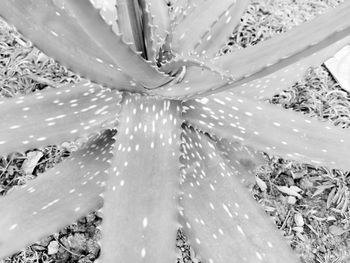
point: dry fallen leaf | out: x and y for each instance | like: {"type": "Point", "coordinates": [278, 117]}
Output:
{"type": "Point", "coordinates": [288, 191]}
{"type": "Point", "coordinates": [32, 160]}
{"type": "Point", "coordinates": [262, 185]}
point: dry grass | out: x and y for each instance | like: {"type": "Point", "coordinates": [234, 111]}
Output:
{"type": "Point", "coordinates": [317, 224]}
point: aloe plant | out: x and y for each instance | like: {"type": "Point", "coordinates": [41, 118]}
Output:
{"type": "Point", "coordinates": [186, 117]}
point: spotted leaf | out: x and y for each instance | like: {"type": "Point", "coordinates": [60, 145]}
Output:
{"type": "Point", "coordinates": [223, 222]}
{"type": "Point", "coordinates": [140, 203]}
{"type": "Point", "coordinates": [241, 159]}
{"type": "Point", "coordinates": [56, 115]}
{"type": "Point", "coordinates": [273, 80]}
{"type": "Point", "coordinates": [178, 10]}
{"type": "Point", "coordinates": [189, 34]}
{"type": "Point", "coordinates": [50, 27]}
{"type": "Point", "coordinates": [259, 71]}
{"type": "Point", "coordinates": [260, 85]}
{"type": "Point", "coordinates": [64, 193]}
{"type": "Point", "coordinates": [270, 128]}
{"type": "Point", "coordinates": [108, 12]}
{"type": "Point", "coordinates": [286, 49]}
{"type": "Point", "coordinates": [221, 28]}
{"type": "Point", "coordinates": [120, 53]}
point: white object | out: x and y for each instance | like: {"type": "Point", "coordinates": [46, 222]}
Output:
{"type": "Point", "coordinates": [339, 66]}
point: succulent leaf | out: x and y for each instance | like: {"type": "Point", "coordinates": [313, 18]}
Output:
{"type": "Point", "coordinates": [64, 193]}
{"type": "Point", "coordinates": [108, 12]}
{"type": "Point", "coordinates": [285, 49]}
{"type": "Point", "coordinates": [188, 34]}
{"type": "Point", "coordinates": [260, 85]}
{"type": "Point", "coordinates": [271, 81]}
{"type": "Point", "coordinates": [178, 8]}
{"type": "Point", "coordinates": [59, 35]}
{"type": "Point", "coordinates": [260, 71]}
{"type": "Point", "coordinates": [223, 222]}
{"type": "Point", "coordinates": [130, 24]}
{"type": "Point", "coordinates": [270, 128]}
{"type": "Point", "coordinates": [221, 29]}
{"type": "Point", "coordinates": [221, 219]}
{"type": "Point", "coordinates": [241, 159]}
{"type": "Point", "coordinates": [56, 115]}
{"type": "Point", "coordinates": [123, 22]}
{"type": "Point", "coordinates": [191, 83]}
{"type": "Point", "coordinates": [127, 60]}
{"type": "Point", "coordinates": [156, 24]}
{"type": "Point", "coordinates": [140, 209]}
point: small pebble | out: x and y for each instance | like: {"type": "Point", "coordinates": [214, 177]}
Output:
{"type": "Point", "coordinates": [298, 219]}
{"type": "Point", "coordinates": [298, 229]}
{"type": "Point", "coordinates": [291, 200]}
{"type": "Point", "coordinates": [53, 247]}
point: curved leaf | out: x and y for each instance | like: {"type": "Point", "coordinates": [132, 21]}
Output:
{"type": "Point", "coordinates": [287, 48]}
{"type": "Point", "coordinates": [127, 60]}
{"type": "Point", "coordinates": [56, 115]}
{"type": "Point", "coordinates": [63, 194]}
{"type": "Point", "coordinates": [192, 81]}
{"type": "Point", "coordinates": [130, 24]}
{"type": "Point", "coordinates": [197, 25]}
{"type": "Point", "coordinates": [273, 80]}
{"type": "Point", "coordinates": [221, 29]}
{"type": "Point", "coordinates": [50, 27]}
{"type": "Point", "coordinates": [271, 129]}
{"type": "Point", "coordinates": [223, 222]}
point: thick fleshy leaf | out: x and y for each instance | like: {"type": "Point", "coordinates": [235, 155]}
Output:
{"type": "Point", "coordinates": [188, 34]}
{"type": "Point", "coordinates": [127, 60]}
{"type": "Point", "coordinates": [190, 82]}
{"type": "Point", "coordinates": [56, 115]}
{"type": "Point", "coordinates": [265, 84]}
{"type": "Point", "coordinates": [241, 159]}
{"type": "Point", "coordinates": [108, 11]}
{"type": "Point", "coordinates": [260, 71]}
{"type": "Point", "coordinates": [221, 29]}
{"type": "Point", "coordinates": [262, 84]}
{"type": "Point", "coordinates": [223, 222]}
{"type": "Point", "coordinates": [124, 22]}
{"type": "Point", "coordinates": [130, 24]}
{"type": "Point", "coordinates": [156, 22]}
{"type": "Point", "coordinates": [271, 128]}
{"type": "Point", "coordinates": [140, 209]}
{"type": "Point", "coordinates": [161, 20]}
{"type": "Point", "coordinates": [178, 11]}
{"type": "Point", "coordinates": [63, 194]}
{"type": "Point", "coordinates": [49, 27]}
{"type": "Point", "coordinates": [285, 49]}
